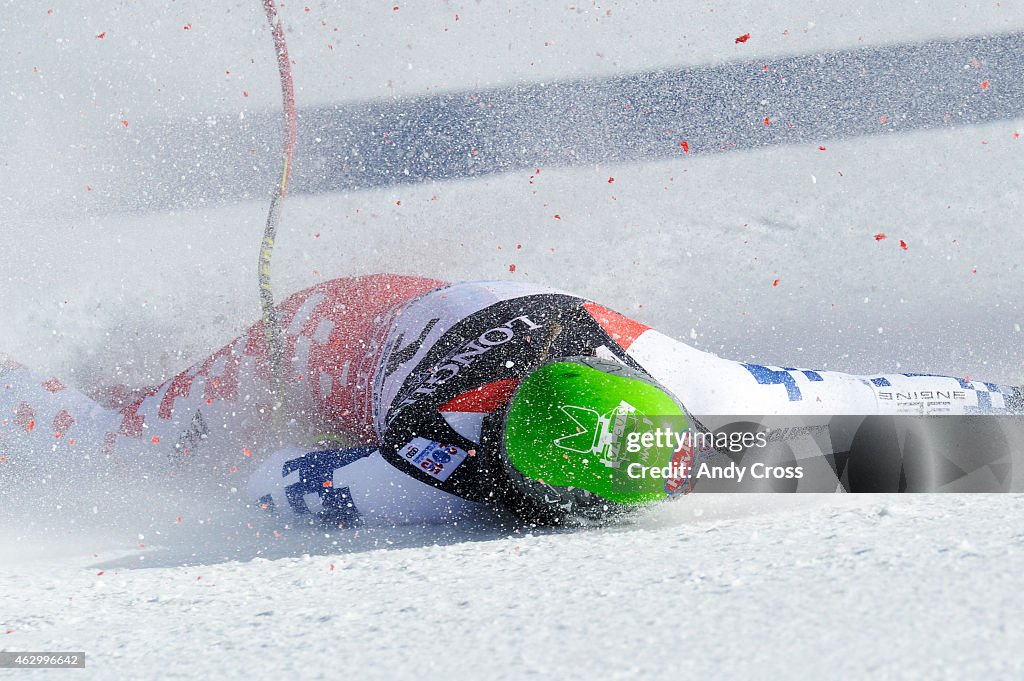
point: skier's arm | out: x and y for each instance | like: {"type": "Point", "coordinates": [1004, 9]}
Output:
{"type": "Point", "coordinates": [346, 488]}
{"type": "Point", "coordinates": [708, 384]}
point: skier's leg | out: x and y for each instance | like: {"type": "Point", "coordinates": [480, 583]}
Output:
{"type": "Point", "coordinates": [1015, 400]}
{"type": "Point", "coordinates": [711, 385]}
{"type": "Point", "coordinates": [708, 384]}
{"type": "Point", "coordinates": [914, 393]}
{"type": "Point", "coordinates": [221, 409]}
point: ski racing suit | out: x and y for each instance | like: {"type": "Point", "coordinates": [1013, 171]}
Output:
{"type": "Point", "coordinates": [405, 370]}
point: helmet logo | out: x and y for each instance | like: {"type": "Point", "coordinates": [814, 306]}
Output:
{"type": "Point", "coordinates": [600, 435]}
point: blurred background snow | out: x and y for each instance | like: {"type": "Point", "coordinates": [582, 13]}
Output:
{"type": "Point", "coordinates": [102, 273]}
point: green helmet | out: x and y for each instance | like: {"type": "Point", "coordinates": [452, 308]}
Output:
{"type": "Point", "coordinates": [584, 435]}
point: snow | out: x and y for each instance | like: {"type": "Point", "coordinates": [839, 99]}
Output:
{"type": "Point", "coordinates": [744, 586]}
{"type": "Point", "coordinates": [691, 243]}
{"type": "Point", "coordinates": [736, 587]}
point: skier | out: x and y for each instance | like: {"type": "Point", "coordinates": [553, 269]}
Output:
{"type": "Point", "coordinates": [438, 397]}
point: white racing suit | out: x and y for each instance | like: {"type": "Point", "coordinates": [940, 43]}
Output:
{"type": "Point", "coordinates": [407, 369]}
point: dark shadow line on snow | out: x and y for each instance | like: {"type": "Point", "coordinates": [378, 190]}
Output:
{"type": "Point", "coordinates": [296, 541]}
{"type": "Point", "coordinates": [753, 104]}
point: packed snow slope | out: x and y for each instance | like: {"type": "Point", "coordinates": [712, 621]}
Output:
{"type": "Point", "coordinates": [772, 254]}
{"type": "Point", "coordinates": [741, 587]}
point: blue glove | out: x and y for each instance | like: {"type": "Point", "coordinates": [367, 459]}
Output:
{"type": "Point", "coordinates": [304, 483]}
